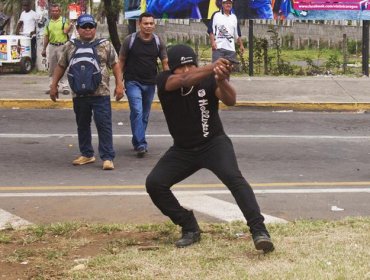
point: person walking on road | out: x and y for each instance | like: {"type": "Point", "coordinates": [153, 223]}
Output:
{"type": "Point", "coordinates": [96, 103]}
{"type": "Point", "coordinates": [138, 57]}
{"type": "Point", "coordinates": [223, 30]}
{"type": "Point", "coordinates": [27, 26]}
{"type": "Point", "coordinates": [55, 36]}
{"type": "Point", "coordinates": [190, 96]}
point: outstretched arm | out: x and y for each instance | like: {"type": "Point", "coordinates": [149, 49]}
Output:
{"type": "Point", "coordinates": [195, 76]}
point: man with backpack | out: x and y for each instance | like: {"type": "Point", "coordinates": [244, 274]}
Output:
{"type": "Point", "coordinates": [138, 56]}
{"type": "Point", "coordinates": [88, 60]}
{"type": "Point", "coordinates": [55, 36]}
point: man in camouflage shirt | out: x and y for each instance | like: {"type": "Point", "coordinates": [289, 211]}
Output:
{"type": "Point", "coordinates": [98, 103]}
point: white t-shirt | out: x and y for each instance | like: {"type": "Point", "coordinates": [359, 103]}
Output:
{"type": "Point", "coordinates": [29, 21]}
{"type": "Point", "coordinates": [225, 29]}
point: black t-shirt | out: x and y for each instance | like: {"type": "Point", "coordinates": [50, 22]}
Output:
{"type": "Point", "coordinates": [141, 59]}
{"type": "Point", "coordinates": [192, 115]}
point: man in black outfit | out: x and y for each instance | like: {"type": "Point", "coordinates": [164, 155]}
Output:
{"type": "Point", "coordinates": [190, 96]}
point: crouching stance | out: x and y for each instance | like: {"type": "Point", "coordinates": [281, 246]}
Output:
{"type": "Point", "coordinates": [190, 96]}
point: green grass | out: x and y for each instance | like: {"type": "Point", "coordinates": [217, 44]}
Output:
{"type": "Point", "coordinates": [304, 250]}
{"type": "Point", "coordinates": [302, 55]}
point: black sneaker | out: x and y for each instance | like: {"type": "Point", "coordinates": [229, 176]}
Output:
{"type": "Point", "coordinates": [263, 242]}
{"type": "Point", "coordinates": [188, 238]}
{"type": "Point", "coordinates": [141, 152]}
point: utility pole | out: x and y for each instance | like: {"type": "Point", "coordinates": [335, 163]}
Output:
{"type": "Point", "coordinates": [250, 46]}
{"type": "Point", "coordinates": [365, 47]}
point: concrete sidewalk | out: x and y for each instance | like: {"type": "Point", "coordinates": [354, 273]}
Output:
{"type": "Point", "coordinates": [276, 93]}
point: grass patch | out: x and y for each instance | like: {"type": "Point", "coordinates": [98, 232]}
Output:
{"type": "Point", "coordinates": [304, 250]}
{"type": "Point", "coordinates": [4, 238]}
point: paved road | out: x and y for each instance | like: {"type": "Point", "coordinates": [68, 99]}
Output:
{"type": "Point", "coordinates": [301, 165]}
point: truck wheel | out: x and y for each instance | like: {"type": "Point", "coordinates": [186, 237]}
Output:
{"type": "Point", "coordinates": [26, 65]}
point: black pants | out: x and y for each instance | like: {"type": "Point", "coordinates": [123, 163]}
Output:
{"type": "Point", "coordinates": [219, 157]}
{"type": "Point", "coordinates": [33, 50]}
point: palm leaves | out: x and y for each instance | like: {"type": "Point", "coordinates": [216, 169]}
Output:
{"type": "Point", "coordinates": [12, 7]}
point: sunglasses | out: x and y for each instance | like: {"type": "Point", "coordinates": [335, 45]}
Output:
{"type": "Point", "coordinates": [88, 25]}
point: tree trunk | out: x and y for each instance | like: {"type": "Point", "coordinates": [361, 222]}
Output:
{"type": "Point", "coordinates": [112, 17]}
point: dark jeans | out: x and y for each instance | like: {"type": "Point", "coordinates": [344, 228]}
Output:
{"type": "Point", "coordinates": [33, 51]}
{"type": "Point", "coordinates": [222, 53]}
{"type": "Point", "coordinates": [219, 157]}
{"type": "Point", "coordinates": [100, 108]}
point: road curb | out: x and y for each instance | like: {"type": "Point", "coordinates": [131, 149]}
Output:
{"type": "Point", "coordinates": [267, 105]}
{"type": "Point", "coordinates": [306, 106]}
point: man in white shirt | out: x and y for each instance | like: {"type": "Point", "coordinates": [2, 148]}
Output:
{"type": "Point", "coordinates": [223, 31]}
{"type": "Point", "coordinates": [27, 26]}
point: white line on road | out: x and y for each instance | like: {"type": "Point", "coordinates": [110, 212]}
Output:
{"type": "Point", "coordinates": [218, 208]}
{"type": "Point", "coordinates": [198, 200]}
{"type": "Point", "coordinates": [198, 192]}
{"type": "Point", "coordinates": [7, 219]}
{"type": "Point", "coordinates": [251, 136]}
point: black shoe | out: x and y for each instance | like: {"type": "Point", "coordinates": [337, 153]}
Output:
{"type": "Point", "coordinates": [263, 242]}
{"type": "Point", "coordinates": [188, 238]}
{"type": "Point", "coordinates": [141, 152]}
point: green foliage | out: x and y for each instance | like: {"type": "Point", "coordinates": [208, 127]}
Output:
{"type": "Point", "coordinates": [333, 62]}
{"type": "Point", "coordinates": [354, 47]}
{"type": "Point", "coordinates": [280, 67]}
{"type": "Point", "coordinates": [288, 41]}
{"type": "Point", "coordinates": [260, 54]}
{"type": "Point", "coordinates": [312, 68]}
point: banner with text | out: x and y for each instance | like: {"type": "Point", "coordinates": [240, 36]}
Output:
{"type": "Point", "coordinates": [252, 9]}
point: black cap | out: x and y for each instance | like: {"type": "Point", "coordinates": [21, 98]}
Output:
{"type": "Point", "coordinates": [179, 55]}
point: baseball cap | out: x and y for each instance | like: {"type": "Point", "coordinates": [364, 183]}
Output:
{"type": "Point", "coordinates": [85, 19]}
{"type": "Point", "coordinates": [223, 1]}
{"type": "Point", "coordinates": [179, 55]}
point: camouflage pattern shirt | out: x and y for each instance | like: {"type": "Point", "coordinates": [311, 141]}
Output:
{"type": "Point", "coordinates": [107, 56]}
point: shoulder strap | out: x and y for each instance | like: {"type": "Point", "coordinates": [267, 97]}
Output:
{"type": "Point", "coordinates": [133, 37]}
{"type": "Point", "coordinates": [157, 41]}
{"type": "Point", "coordinates": [63, 22]}
{"type": "Point", "coordinates": [98, 42]}
{"type": "Point", "coordinates": [76, 42]}
{"type": "Point", "coordinates": [93, 44]}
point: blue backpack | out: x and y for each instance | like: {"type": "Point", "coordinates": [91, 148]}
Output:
{"type": "Point", "coordinates": [84, 74]}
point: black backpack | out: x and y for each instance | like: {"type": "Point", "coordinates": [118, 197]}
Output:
{"type": "Point", "coordinates": [84, 74]}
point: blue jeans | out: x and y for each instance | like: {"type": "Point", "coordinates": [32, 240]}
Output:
{"type": "Point", "coordinates": [100, 108]}
{"type": "Point", "coordinates": [140, 98]}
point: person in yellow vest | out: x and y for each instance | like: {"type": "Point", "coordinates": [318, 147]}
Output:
{"type": "Point", "coordinates": [55, 36]}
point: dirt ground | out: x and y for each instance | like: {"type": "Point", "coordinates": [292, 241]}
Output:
{"type": "Point", "coordinates": [52, 256]}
